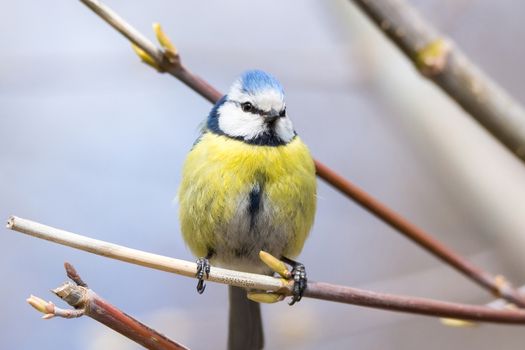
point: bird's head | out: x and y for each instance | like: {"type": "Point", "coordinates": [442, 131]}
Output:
{"type": "Point", "coordinates": [253, 111]}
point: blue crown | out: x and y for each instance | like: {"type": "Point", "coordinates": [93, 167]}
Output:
{"type": "Point", "coordinates": [254, 81]}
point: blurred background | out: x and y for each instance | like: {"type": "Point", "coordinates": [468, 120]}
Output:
{"type": "Point", "coordinates": [92, 141]}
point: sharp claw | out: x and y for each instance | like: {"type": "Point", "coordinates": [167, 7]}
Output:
{"type": "Point", "coordinates": [203, 268]}
{"type": "Point", "coordinates": [300, 283]}
{"type": "Point", "coordinates": [201, 287]}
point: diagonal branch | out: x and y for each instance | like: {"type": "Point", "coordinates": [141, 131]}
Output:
{"type": "Point", "coordinates": [168, 60]}
{"type": "Point", "coordinates": [87, 303]}
{"type": "Point", "coordinates": [165, 63]}
{"type": "Point", "coordinates": [437, 58]}
{"type": "Point", "coordinates": [318, 290]}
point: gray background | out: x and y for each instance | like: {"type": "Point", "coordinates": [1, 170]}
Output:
{"type": "Point", "coordinates": [92, 141]}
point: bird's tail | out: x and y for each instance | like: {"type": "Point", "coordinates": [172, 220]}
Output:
{"type": "Point", "coordinates": [245, 331]}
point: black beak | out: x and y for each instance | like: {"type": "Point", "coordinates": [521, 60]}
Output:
{"type": "Point", "coordinates": [271, 119]}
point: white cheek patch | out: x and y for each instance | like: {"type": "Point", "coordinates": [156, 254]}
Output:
{"type": "Point", "coordinates": [284, 129]}
{"type": "Point", "coordinates": [234, 122]}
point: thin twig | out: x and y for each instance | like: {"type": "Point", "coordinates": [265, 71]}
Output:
{"type": "Point", "coordinates": [166, 64]}
{"type": "Point", "coordinates": [138, 257]}
{"type": "Point", "coordinates": [50, 310]}
{"type": "Point", "coordinates": [87, 302]}
{"type": "Point", "coordinates": [316, 290]}
{"type": "Point", "coordinates": [169, 61]}
{"type": "Point", "coordinates": [410, 304]}
{"type": "Point", "coordinates": [495, 284]}
{"type": "Point", "coordinates": [440, 60]}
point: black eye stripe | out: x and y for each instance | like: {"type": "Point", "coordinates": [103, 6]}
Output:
{"type": "Point", "coordinates": [258, 111]}
{"type": "Point", "coordinates": [255, 110]}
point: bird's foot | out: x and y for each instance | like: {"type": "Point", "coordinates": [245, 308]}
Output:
{"type": "Point", "coordinates": [203, 268]}
{"type": "Point", "coordinates": [299, 282]}
{"type": "Point", "coordinates": [298, 274]}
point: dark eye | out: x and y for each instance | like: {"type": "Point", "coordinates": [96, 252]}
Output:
{"type": "Point", "coordinates": [247, 107]}
{"type": "Point", "coordinates": [282, 113]}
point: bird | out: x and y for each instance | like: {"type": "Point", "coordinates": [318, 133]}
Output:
{"type": "Point", "coordinates": [248, 184]}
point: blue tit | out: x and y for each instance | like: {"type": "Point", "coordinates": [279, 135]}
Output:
{"type": "Point", "coordinates": [248, 185]}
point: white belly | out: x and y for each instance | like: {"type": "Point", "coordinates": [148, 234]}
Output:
{"type": "Point", "coordinates": [247, 234]}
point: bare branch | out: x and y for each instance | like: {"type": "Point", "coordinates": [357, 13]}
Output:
{"type": "Point", "coordinates": [437, 58]}
{"type": "Point", "coordinates": [169, 61]}
{"type": "Point", "coordinates": [88, 303]}
{"type": "Point", "coordinates": [409, 304]}
{"type": "Point", "coordinates": [138, 257]}
{"type": "Point", "coordinates": [318, 290]}
{"type": "Point", "coordinates": [117, 22]}
{"type": "Point", "coordinates": [496, 285]}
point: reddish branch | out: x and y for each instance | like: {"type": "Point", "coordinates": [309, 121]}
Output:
{"type": "Point", "coordinates": [169, 61]}
{"type": "Point", "coordinates": [496, 285]}
{"type": "Point", "coordinates": [410, 304]}
{"type": "Point", "coordinates": [88, 303]}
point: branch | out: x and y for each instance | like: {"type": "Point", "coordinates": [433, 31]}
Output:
{"type": "Point", "coordinates": [168, 60]}
{"type": "Point", "coordinates": [165, 63]}
{"type": "Point", "coordinates": [88, 303]}
{"type": "Point", "coordinates": [139, 257]}
{"type": "Point", "coordinates": [438, 59]}
{"type": "Point", "coordinates": [317, 290]}
{"type": "Point", "coordinates": [495, 284]}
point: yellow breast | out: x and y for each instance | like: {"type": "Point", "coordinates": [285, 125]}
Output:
{"type": "Point", "coordinates": [220, 172]}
